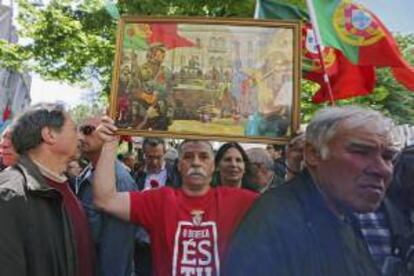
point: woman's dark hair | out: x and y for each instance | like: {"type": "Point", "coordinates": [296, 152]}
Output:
{"type": "Point", "coordinates": [225, 147]}
{"type": "Point", "coordinates": [219, 156]}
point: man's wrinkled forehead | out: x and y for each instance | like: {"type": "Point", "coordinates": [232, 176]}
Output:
{"type": "Point", "coordinates": [196, 146]}
{"type": "Point", "coordinates": [372, 134]}
{"type": "Point", "coordinates": [383, 143]}
{"type": "Point", "coordinates": [377, 125]}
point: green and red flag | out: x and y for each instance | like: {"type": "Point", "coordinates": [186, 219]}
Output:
{"type": "Point", "coordinates": [349, 80]}
{"type": "Point", "coordinates": [141, 36]}
{"type": "Point", "coordinates": [346, 79]}
{"type": "Point", "coordinates": [361, 36]}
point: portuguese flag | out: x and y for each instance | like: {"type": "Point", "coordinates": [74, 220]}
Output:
{"type": "Point", "coordinates": [361, 37]}
{"type": "Point", "coordinates": [347, 80]}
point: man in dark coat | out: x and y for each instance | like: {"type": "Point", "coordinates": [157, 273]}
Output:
{"type": "Point", "coordinates": [304, 227]}
{"type": "Point", "coordinates": [44, 231]}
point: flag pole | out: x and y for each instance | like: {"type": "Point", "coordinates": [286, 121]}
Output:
{"type": "Point", "coordinates": [256, 9]}
{"type": "Point", "coordinates": [318, 40]}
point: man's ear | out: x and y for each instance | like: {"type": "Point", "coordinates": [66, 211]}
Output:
{"type": "Point", "coordinates": [312, 155]}
{"type": "Point", "coordinates": [48, 135]}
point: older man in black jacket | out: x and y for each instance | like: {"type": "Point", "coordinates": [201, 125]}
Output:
{"type": "Point", "coordinates": [305, 226]}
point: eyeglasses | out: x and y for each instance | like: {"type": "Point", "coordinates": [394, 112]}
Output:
{"type": "Point", "coordinates": [87, 129]}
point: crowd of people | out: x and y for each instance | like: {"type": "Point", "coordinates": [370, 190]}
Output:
{"type": "Point", "coordinates": [336, 200]}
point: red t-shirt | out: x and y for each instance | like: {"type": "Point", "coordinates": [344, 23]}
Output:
{"type": "Point", "coordinates": [80, 227]}
{"type": "Point", "coordinates": [189, 235]}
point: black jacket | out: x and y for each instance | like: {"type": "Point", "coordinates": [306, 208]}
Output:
{"type": "Point", "coordinates": [290, 231]}
{"type": "Point", "coordinates": [36, 236]}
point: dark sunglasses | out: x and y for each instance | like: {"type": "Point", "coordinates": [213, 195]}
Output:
{"type": "Point", "coordinates": [87, 129]}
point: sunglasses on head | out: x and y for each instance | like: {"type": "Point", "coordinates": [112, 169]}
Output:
{"type": "Point", "coordinates": [87, 129]}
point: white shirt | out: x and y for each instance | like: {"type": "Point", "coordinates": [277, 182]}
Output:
{"type": "Point", "coordinates": [160, 177]}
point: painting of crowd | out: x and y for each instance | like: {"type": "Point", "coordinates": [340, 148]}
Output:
{"type": "Point", "coordinates": [203, 77]}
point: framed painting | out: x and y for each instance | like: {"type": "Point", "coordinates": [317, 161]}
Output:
{"type": "Point", "coordinates": [216, 79]}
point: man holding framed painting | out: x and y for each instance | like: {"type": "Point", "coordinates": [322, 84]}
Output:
{"type": "Point", "coordinates": [190, 227]}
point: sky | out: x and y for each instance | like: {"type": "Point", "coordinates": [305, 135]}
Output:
{"type": "Point", "coordinates": [52, 91]}
{"type": "Point", "coordinates": [397, 15]}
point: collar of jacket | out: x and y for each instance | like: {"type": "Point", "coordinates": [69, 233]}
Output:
{"type": "Point", "coordinates": [312, 198]}
{"type": "Point", "coordinates": [35, 181]}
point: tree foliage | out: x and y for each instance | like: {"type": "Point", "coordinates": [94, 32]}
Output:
{"type": "Point", "coordinates": [68, 40]}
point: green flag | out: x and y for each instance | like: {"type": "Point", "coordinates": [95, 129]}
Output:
{"type": "Point", "coordinates": [112, 9]}
{"type": "Point", "coordinates": [275, 9]}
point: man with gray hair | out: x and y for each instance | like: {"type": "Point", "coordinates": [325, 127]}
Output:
{"type": "Point", "coordinates": [189, 226]}
{"type": "Point", "coordinates": [261, 169]}
{"type": "Point", "coordinates": [44, 230]}
{"type": "Point", "coordinates": [304, 227]}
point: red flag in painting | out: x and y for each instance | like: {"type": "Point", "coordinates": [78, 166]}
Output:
{"type": "Point", "coordinates": [166, 33]}
{"type": "Point", "coordinates": [349, 81]}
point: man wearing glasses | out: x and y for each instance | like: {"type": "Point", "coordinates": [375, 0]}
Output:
{"type": "Point", "coordinates": [113, 238]}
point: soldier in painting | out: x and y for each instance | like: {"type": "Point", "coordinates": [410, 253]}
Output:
{"type": "Point", "coordinates": [151, 108]}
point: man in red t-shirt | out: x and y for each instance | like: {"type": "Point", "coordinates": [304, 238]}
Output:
{"type": "Point", "coordinates": [190, 227]}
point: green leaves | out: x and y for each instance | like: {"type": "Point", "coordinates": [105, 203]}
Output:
{"type": "Point", "coordinates": [13, 56]}
{"type": "Point", "coordinates": [64, 41]}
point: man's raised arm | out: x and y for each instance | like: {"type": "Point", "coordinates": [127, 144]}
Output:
{"type": "Point", "coordinates": [104, 190]}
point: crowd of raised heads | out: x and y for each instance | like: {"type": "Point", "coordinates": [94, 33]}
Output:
{"type": "Point", "coordinates": [337, 199]}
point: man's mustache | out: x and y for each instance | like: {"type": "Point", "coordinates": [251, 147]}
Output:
{"type": "Point", "coordinates": [197, 171]}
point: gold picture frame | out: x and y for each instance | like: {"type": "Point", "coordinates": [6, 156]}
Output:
{"type": "Point", "coordinates": [198, 78]}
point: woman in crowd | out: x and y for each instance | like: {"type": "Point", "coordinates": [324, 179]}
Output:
{"type": "Point", "coordinates": [232, 165]}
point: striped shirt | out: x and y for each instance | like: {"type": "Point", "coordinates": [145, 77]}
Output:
{"type": "Point", "coordinates": [375, 230]}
